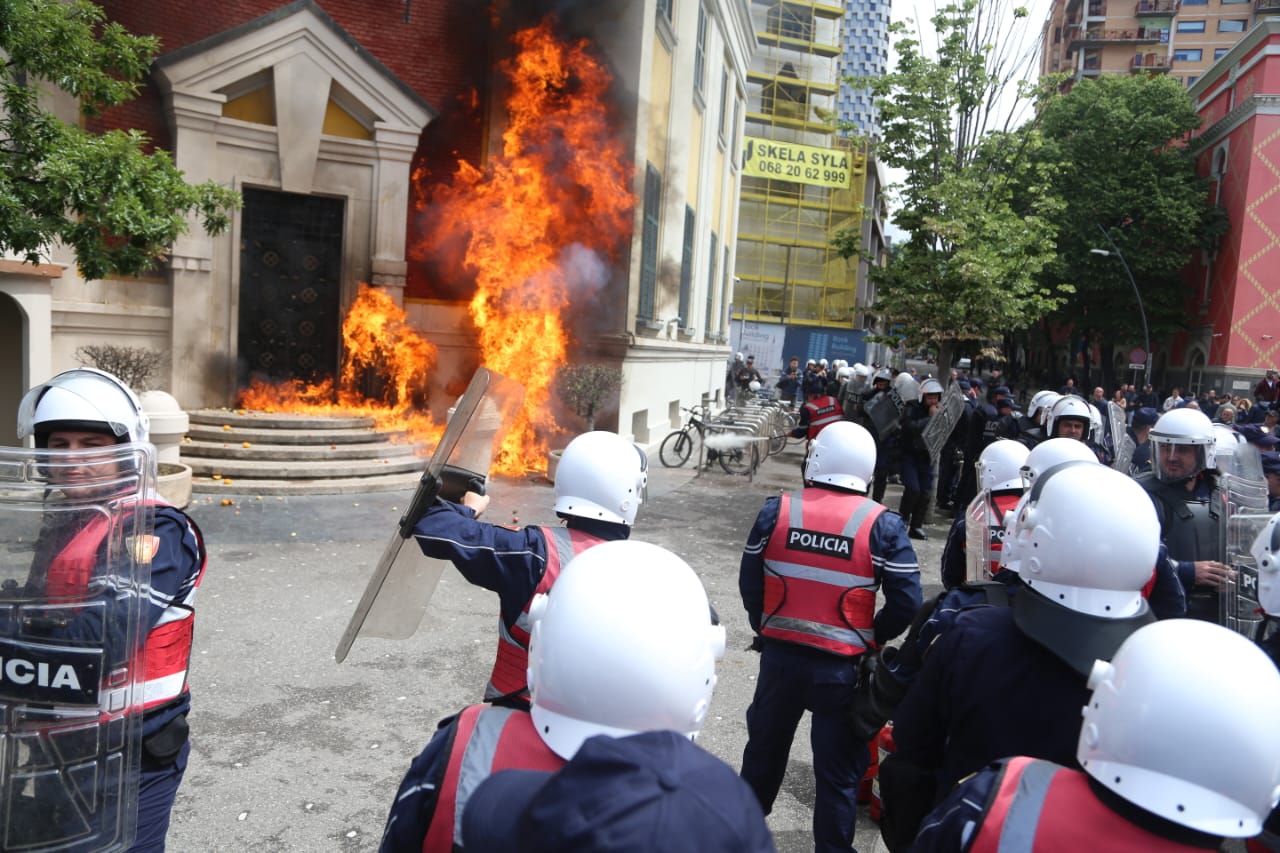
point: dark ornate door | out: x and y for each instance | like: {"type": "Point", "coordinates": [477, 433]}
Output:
{"type": "Point", "coordinates": [290, 277]}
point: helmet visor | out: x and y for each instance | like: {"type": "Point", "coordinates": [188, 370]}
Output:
{"type": "Point", "coordinates": [1175, 462]}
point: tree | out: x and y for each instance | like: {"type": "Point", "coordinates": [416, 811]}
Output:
{"type": "Point", "coordinates": [584, 387]}
{"type": "Point", "coordinates": [971, 266]}
{"type": "Point", "coordinates": [1113, 148]}
{"type": "Point", "coordinates": [117, 207]}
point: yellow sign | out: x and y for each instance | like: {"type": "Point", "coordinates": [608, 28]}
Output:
{"type": "Point", "coordinates": [804, 164]}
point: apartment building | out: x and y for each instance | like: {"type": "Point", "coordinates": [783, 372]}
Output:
{"type": "Point", "coordinates": [1086, 38]}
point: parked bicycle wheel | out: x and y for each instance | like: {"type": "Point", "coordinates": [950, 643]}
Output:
{"type": "Point", "coordinates": [777, 443]}
{"type": "Point", "coordinates": [676, 449]}
{"type": "Point", "coordinates": [739, 460]}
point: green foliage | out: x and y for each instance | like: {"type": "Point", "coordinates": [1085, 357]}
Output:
{"type": "Point", "coordinates": [585, 387]}
{"type": "Point", "coordinates": [977, 245]}
{"type": "Point", "coordinates": [1112, 150]}
{"type": "Point", "coordinates": [134, 366]}
{"type": "Point", "coordinates": [117, 207]}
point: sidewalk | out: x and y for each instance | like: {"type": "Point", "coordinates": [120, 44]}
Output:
{"type": "Point", "coordinates": [293, 752]}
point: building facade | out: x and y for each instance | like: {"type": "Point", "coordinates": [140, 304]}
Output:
{"type": "Point", "coordinates": [865, 39]}
{"type": "Point", "coordinates": [1233, 294]}
{"type": "Point", "coordinates": [1085, 38]}
{"type": "Point", "coordinates": [803, 184]}
{"type": "Point", "coordinates": [321, 112]}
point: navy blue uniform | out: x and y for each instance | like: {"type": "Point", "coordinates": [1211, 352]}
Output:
{"type": "Point", "coordinates": [986, 691]}
{"type": "Point", "coordinates": [508, 562]}
{"type": "Point", "coordinates": [415, 800]}
{"type": "Point", "coordinates": [794, 679]}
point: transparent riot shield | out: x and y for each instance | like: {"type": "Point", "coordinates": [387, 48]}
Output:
{"type": "Point", "coordinates": [1118, 441]}
{"type": "Point", "coordinates": [939, 428]}
{"type": "Point", "coordinates": [980, 529]}
{"type": "Point", "coordinates": [397, 594]}
{"type": "Point", "coordinates": [77, 534]}
{"type": "Point", "coordinates": [907, 387]}
{"type": "Point", "coordinates": [1244, 489]}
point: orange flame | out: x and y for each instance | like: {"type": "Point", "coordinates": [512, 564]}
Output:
{"type": "Point", "coordinates": [559, 191]}
{"type": "Point", "coordinates": [380, 350]}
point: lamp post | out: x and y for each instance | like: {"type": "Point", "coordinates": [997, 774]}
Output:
{"type": "Point", "coordinates": [1142, 312]}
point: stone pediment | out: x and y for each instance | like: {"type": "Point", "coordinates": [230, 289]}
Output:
{"type": "Point", "coordinates": [313, 68]}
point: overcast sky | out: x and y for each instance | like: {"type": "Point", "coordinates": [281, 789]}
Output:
{"type": "Point", "coordinates": [917, 13]}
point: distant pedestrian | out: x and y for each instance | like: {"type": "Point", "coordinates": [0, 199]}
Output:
{"type": "Point", "coordinates": [1268, 388]}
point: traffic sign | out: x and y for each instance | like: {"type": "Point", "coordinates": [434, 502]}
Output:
{"type": "Point", "coordinates": [1137, 358]}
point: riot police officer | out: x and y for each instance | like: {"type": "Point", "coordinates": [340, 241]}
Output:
{"type": "Point", "coordinates": [1183, 487]}
{"type": "Point", "coordinates": [1032, 430]}
{"type": "Point", "coordinates": [808, 579]}
{"type": "Point", "coordinates": [1009, 681]}
{"type": "Point", "coordinates": [86, 409]}
{"type": "Point", "coordinates": [599, 486]}
{"type": "Point", "coordinates": [638, 676]}
{"type": "Point", "coordinates": [1135, 792]}
{"type": "Point", "coordinates": [916, 466]}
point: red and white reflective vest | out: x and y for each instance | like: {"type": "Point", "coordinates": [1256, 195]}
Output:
{"type": "Point", "coordinates": [1042, 807]}
{"type": "Point", "coordinates": [819, 584]}
{"type": "Point", "coordinates": [486, 739]}
{"type": "Point", "coordinates": [999, 506]}
{"type": "Point", "coordinates": [823, 411]}
{"type": "Point", "coordinates": [167, 650]}
{"type": "Point", "coordinates": [510, 670]}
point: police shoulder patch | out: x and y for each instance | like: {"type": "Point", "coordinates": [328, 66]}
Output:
{"type": "Point", "coordinates": [143, 548]}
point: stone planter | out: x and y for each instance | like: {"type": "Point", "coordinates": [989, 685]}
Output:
{"type": "Point", "coordinates": [174, 483]}
{"type": "Point", "coordinates": [553, 462]}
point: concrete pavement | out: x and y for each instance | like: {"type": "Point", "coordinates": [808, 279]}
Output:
{"type": "Point", "coordinates": [293, 752]}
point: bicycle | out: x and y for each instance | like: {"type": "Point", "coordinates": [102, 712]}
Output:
{"type": "Point", "coordinates": [677, 447]}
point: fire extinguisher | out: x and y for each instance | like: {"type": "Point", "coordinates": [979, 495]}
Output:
{"type": "Point", "coordinates": [868, 782]}
{"type": "Point", "coordinates": [885, 747]}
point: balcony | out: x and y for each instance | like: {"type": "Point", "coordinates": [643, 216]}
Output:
{"type": "Point", "coordinates": [1142, 35]}
{"type": "Point", "coordinates": [1151, 62]}
{"type": "Point", "coordinates": [1152, 8]}
{"type": "Point", "coordinates": [1263, 6]}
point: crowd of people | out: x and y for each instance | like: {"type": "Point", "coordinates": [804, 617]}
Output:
{"type": "Point", "coordinates": [1097, 601]}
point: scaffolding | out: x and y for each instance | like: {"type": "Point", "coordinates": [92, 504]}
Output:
{"type": "Point", "coordinates": [786, 267]}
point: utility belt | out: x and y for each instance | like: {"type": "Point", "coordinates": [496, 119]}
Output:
{"type": "Point", "coordinates": [161, 749]}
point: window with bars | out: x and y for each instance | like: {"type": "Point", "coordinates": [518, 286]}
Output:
{"type": "Point", "coordinates": [649, 242]}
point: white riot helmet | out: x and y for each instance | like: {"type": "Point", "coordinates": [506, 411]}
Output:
{"type": "Point", "coordinates": [883, 374]}
{"type": "Point", "coordinates": [1000, 464]}
{"type": "Point", "coordinates": [1085, 537]}
{"type": "Point", "coordinates": [84, 400]}
{"type": "Point", "coordinates": [601, 476]}
{"type": "Point", "coordinates": [1069, 406]}
{"type": "Point", "coordinates": [1051, 452]}
{"type": "Point", "coordinates": [753, 385]}
{"type": "Point", "coordinates": [1266, 556]}
{"type": "Point", "coordinates": [1041, 401]}
{"type": "Point", "coordinates": [930, 386]}
{"type": "Point", "coordinates": [737, 356]}
{"type": "Point", "coordinates": [1224, 780]}
{"type": "Point", "coordinates": [844, 374]}
{"type": "Point", "coordinates": [623, 644]}
{"type": "Point", "coordinates": [822, 362]}
{"type": "Point", "coordinates": [843, 455]}
{"type": "Point", "coordinates": [1182, 428]}
{"type": "Point", "coordinates": [862, 370]}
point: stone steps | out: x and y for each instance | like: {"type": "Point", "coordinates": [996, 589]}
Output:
{"type": "Point", "coordinates": [262, 453]}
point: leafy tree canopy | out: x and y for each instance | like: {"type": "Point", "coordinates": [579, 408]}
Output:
{"type": "Point", "coordinates": [977, 246]}
{"type": "Point", "coordinates": [117, 207]}
{"type": "Point", "coordinates": [1112, 149]}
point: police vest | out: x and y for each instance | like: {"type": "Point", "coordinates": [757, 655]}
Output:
{"type": "Point", "coordinates": [167, 651]}
{"type": "Point", "coordinates": [1191, 528]}
{"type": "Point", "coordinates": [1042, 807]}
{"type": "Point", "coordinates": [819, 584]}
{"type": "Point", "coordinates": [485, 740]}
{"type": "Point", "coordinates": [510, 669]}
{"type": "Point", "coordinates": [822, 411]}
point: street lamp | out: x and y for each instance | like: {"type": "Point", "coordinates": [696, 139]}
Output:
{"type": "Point", "coordinates": [1142, 312]}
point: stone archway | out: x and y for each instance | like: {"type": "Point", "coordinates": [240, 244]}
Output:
{"type": "Point", "coordinates": [288, 102]}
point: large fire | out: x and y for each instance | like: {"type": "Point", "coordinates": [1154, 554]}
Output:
{"type": "Point", "coordinates": [537, 223]}
{"type": "Point", "coordinates": [384, 369]}
{"type": "Point", "coordinates": [558, 193]}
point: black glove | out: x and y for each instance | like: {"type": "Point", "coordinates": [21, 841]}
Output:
{"type": "Point", "coordinates": [757, 644]}
{"type": "Point", "coordinates": [877, 694]}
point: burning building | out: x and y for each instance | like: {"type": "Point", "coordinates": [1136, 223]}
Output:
{"type": "Point", "coordinates": [531, 184]}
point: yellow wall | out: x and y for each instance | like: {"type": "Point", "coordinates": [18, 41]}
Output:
{"type": "Point", "coordinates": [659, 109]}
{"type": "Point", "coordinates": [339, 122]}
{"type": "Point", "coordinates": [258, 106]}
{"type": "Point", "coordinates": [695, 154]}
